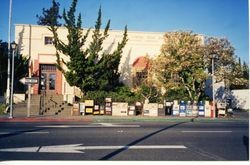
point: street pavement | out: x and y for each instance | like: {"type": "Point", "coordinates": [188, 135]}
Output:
{"type": "Point", "coordinates": [97, 139]}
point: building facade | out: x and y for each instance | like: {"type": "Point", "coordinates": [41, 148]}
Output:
{"type": "Point", "coordinates": [36, 42]}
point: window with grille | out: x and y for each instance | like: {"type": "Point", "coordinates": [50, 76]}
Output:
{"type": "Point", "coordinates": [48, 67]}
{"type": "Point", "coordinates": [48, 40]}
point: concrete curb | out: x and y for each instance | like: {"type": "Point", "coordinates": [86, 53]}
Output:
{"type": "Point", "coordinates": [39, 119]}
{"type": "Point", "coordinates": [96, 119]}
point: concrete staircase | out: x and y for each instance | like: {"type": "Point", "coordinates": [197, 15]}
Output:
{"type": "Point", "coordinates": [53, 105]}
{"type": "Point", "coordinates": [20, 109]}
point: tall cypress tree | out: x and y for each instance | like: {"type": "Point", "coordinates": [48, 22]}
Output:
{"type": "Point", "coordinates": [91, 68]}
{"type": "Point", "coordinates": [50, 16]}
{"type": "Point", "coordinates": [245, 70]}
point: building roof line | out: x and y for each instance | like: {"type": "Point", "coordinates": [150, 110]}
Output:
{"type": "Point", "coordinates": [115, 30]}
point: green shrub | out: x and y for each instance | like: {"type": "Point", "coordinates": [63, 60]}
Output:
{"type": "Point", "coordinates": [2, 108]}
{"type": "Point", "coordinates": [120, 94]}
{"type": "Point", "coordinates": [177, 94]}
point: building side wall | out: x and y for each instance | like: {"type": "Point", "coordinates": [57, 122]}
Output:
{"type": "Point", "coordinates": [240, 98]}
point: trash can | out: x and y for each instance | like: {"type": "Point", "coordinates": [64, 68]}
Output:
{"type": "Point", "coordinates": [169, 108]}
{"type": "Point", "coordinates": [182, 109]}
{"type": "Point", "coordinates": [201, 109]}
{"type": "Point", "coordinates": [189, 109]}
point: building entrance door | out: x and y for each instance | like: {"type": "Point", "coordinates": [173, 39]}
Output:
{"type": "Point", "coordinates": [48, 78]}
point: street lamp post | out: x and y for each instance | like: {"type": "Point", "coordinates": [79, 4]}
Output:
{"type": "Point", "coordinates": [213, 91]}
{"type": "Point", "coordinates": [13, 47]}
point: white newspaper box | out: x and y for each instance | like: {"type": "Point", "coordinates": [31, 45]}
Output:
{"type": "Point", "coordinates": [207, 109]}
{"type": "Point", "coordinates": [119, 109]}
{"type": "Point", "coordinates": [150, 109]}
{"type": "Point", "coordinates": [195, 109]}
{"type": "Point", "coordinates": [131, 111]}
{"type": "Point", "coordinates": [82, 108]}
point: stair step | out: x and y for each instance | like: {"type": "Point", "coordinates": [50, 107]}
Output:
{"type": "Point", "coordinates": [54, 105]}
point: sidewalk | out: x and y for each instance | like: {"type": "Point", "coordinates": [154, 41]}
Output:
{"type": "Point", "coordinates": [238, 116]}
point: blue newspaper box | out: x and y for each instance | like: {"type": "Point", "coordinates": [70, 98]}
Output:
{"type": "Point", "coordinates": [182, 109]}
{"type": "Point", "coordinates": [201, 109]}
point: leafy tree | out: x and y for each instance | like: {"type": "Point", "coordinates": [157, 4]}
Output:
{"type": "Point", "coordinates": [245, 69]}
{"type": "Point", "coordinates": [146, 85]}
{"type": "Point", "coordinates": [181, 64]}
{"type": "Point", "coordinates": [21, 69]}
{"type": "Point", "coordinates": [224, 59]}
{"type": "Point", "coordinates": [227, 68]}
{"type": "Point", "coordinates": [176, 94]}
{"type": "Point", "coordinates": [3, 66]}
{"type": "Point", "coordinates": [89, 68]}
{"type": "Point", "coordinates": [185, 64]}
{"type": "Point", "coordinates": [50, 16]}
{"type": "Point", "coordinates": [239, 77]}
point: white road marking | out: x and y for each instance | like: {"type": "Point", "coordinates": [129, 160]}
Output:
{"type": "Point", "coordinates": [120, 131]}
{"type": "Point", "coordinates": [36, 132]}
{"type": "Point", "coordinates": [118, 125]}
{"type": "Point", "coordinates": [72, 148]}
{"type": "Point", "coordinates": [106, 124]}
{"type": "Point", "coordinates": [4, 133]}
{"type": "Point", "coordinates": [97, 125]}
{"type": "Point", "coordinates": [136, 147]}
{"type": "Point", "coordinates": [23, 149]}
{"type": "Point", "coordinates": [206, 131]}
{"type": "Point", "coordinates": [77, 148]}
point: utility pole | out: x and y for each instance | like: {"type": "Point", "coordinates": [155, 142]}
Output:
{"type": "Point", "coordinates": [29, 85]}
{"type": "Point", "coordinates": [213, 91]}
{"type": "Point", "coordinates": [9, 54]}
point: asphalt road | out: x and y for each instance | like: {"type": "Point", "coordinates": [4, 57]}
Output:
{"type": "Point", "coordinates": [178, 141]}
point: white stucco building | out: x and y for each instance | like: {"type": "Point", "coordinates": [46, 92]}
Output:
{"type": "Point", "coordinates": [36, 42]}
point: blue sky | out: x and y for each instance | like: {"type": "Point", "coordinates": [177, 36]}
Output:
{"type": "Point", "coordinates": [219, 18]}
